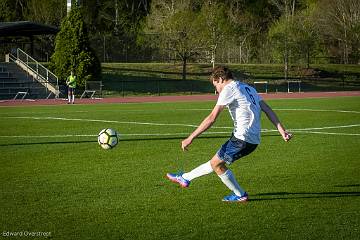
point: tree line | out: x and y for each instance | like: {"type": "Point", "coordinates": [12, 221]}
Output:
{"type": "Point", "coordinates": [227, 31]}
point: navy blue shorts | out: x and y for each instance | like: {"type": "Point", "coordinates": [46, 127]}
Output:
{"type": "Point", "coordinates": [234, 149]}
{"type": "Point", "coordinates": [71, 90]}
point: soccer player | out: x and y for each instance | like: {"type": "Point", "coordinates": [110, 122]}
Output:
{"type": "Point", "coordinates": [245, 106]}
{"type": "Point", "coordinates": [71, 83]}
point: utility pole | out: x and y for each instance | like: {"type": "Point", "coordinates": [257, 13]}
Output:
{"type": "Point", "coordinates": [116, 28]}
{"type": "Point", "coordinates": [68, 6]}
{"type": "Point", "coordinates": [69, 3]}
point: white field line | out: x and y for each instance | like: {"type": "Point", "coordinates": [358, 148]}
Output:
{"type": "Point", "coordinates": [110, 121]}
{"type": "Point", "coordinates": [207, 109]}
{"type": "Point", "coordinates": [315, 110]}
{"type": "Point", "coordinates": [120, 135]}
{"type": "Point", "coordinates": [329, 133]}
{"type": "Point", "coordinates": [173, 134]}
{"type": "Point", "coordinates": [23, 113]}
{"type": "Point", "coordinates": [166, 134]}
{"type": "Point", "coordinates": [171, 124]}
{"type": "Point", "coordinates": [303, 130]}
{"type": "Point", "coordinates": [330, 127]}
{"type": "Point", "coordinates": [284, 109]}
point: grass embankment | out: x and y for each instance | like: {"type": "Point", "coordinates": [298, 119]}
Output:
{"type": "Point", "coordinates": [160, 78]}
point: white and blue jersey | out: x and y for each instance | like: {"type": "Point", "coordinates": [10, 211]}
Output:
{"type": "Point", "coordinates": [242, 101]}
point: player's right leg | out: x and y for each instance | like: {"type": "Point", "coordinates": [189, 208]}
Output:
{"type": "Point", "coordinates": [73, 95]}
{"type": "Point", "coordinates": [178, 178]}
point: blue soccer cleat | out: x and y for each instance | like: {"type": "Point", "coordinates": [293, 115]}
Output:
{"type": "Point", "coordinates": [177, 178]}
{"type": "Point", "coordinates": [236, 198]}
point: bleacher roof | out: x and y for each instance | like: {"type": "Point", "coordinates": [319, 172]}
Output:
{"type": "Point", "coordinates": [25, 28]}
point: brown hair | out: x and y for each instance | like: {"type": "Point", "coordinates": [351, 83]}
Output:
{"type": "Point", "coordinates": [221, 72]}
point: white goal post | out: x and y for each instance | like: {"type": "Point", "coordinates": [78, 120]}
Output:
{"type": "Point", "coordinates": [294, 81]}
{"type": "Point", "coordinates": [262, 82]}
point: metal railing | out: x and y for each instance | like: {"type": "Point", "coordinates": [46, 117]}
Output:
{"type": "Point", "coordinates": [40, 73]}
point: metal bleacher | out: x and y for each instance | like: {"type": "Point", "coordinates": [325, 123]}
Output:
{"type": "Point", "coordinates": [23, 77]}
{"type": "Point", "coordinates": [9, 84]}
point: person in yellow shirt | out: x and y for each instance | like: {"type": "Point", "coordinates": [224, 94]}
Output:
{"type": "Point", "coordinates": [71, 83]}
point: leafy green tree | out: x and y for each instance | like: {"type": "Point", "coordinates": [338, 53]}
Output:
{"type": "Point", "coordinates": [49, 12]}
{"type": "Point", "coordinates": [339, 25]}
{"type": "Point", "coordinates": [114, 26]}
{"type": "Point", "coordinates": [12, 10]}
{"type": "Point", "coordinates": [182, 36]}
{"type": "Point", "coordinates": [305, 36]}
{"type": "Point", "coordinates": [175, 26]}
{"type": "Point", "coordinates": [217, 27]}
{"type": "Point", "coordinates": [6, 13]}
{"type": "Point", "coordinates": [279, 38]}
{"type": "Point", "coordinates": [251, 20]}
{"type": "Point", "coordinates": [280, 32]}
{"type": "Point", "coordinates": [73, 52]}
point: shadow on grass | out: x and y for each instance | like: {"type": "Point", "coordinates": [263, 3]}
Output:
{"type": "Point", "coordinates": [183, 137]}
{"type": "Point", "coordinates": [45, 143]}
{"type": "Point", "coordinates": [92, 141]}
{"type": "Point", "coordinates": [301, 195]}
{"type": "Point", "coordinates": [125, 140]}
{"type": "Point", "coordinates": [349, 185]}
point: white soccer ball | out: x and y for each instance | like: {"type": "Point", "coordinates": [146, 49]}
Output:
{"type": "Point", "coordinates": [108, 138]}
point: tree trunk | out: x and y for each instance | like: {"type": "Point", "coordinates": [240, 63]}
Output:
{"type": "Point", "coordinates": [308, 56]}
{"type": "Point", "coordinates": [213, 54]}
{"type": "Point", "coordinates": [240, 54]}
{"type": "Point", "coordinates": [346, 51]}
{"type": "Point", "coordinates": [286, 64]}
{"type": "Point", "coordinates": [184, 69]}
{"type": "Point", "coordinates": [213, 58]}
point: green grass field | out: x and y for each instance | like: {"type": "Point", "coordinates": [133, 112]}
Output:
{"type": "Point", "coordinates": [56, 179]}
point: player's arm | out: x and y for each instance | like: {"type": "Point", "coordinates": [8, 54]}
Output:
{"type": "Point", "coordinates": [275, 120]}
{"type": "Point", "coordinates": [205, 124]}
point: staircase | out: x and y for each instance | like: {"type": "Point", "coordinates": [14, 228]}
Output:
{"type": "Point", "coordinates": [23, 76]}
{"type": "Point", "coordinates": [13, 81]}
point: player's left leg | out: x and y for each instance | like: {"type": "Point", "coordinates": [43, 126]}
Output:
{"type": "Point", "coordinates": [229, 152]}
{"type": "Point", "coordinates": [73, 95]}
{"type": "Point", "coordinates": [227, 177]}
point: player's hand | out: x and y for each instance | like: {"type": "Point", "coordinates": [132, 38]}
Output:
{"type": "Point", "coordinates": [185, 143]}
{"type": "Point", "coordinates": [287, 136]}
